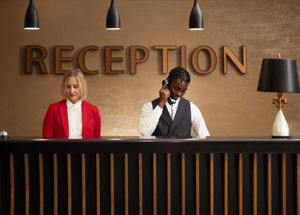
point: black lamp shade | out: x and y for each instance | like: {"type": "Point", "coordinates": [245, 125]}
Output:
{"type": "Point", "coordinates": [279, 75]}
{"type": "Point", "coordinates": [31, 17]}
{"type": "Point", "coordinates": [196, 18]}
{"type": "Point", "coordinates": [113, 18]}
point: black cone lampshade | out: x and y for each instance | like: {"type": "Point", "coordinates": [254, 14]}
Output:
{"type": "Point", "coordinates": [113, 18]}
{"type": "Point", "coordinates": [196, 18]}
{"type": "Point", "coordinates": [279, 75]}
{"type": "Point", "coordinates": [31, 18]}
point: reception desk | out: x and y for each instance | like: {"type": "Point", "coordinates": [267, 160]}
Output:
{"type": "Point", "coordinates": [130, 175]}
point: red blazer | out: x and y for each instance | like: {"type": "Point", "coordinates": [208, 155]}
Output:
{"type": "Point", "coordinates": [56, 124]}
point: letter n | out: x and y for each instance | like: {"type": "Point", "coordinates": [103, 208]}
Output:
{"type": "Point", "coordinates": [241, 66]}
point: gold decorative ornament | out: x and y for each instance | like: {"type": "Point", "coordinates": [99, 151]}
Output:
{"type": "Point", "coordinates": [280, 100]}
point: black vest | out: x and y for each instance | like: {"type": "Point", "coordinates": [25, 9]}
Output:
{"type": "Point", "coordinates": [180, 127]}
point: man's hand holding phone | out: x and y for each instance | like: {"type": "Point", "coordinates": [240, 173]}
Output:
{"type": "Point", "coordinates": [164, 93]}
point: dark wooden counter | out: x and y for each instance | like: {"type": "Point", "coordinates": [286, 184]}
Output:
{"type": "Point", "coordinates": [132, 175]}
{"type": "Point", "coordinates": [144, 145]}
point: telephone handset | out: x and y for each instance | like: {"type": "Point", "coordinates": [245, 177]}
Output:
{"type": "Point", "coordinates": [167, 86]}
{"type": "Point", "coordinates": [165, 81]}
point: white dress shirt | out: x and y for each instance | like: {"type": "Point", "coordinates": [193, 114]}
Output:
{"type": "Point", "coordinates": [75, 118]}
{"type": "Point", "coordinates": [149, 118]}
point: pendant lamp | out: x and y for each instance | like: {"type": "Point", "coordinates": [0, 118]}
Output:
{"type": "Point", "coordinates": [113, 17]}
{"type": "Point", "coordinates": [196, 18]}
{"type": "Point", "coordinates": [31, 18]}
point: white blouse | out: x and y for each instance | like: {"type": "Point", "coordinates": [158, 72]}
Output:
{"type": "Point", "coordinates": [74, 118]}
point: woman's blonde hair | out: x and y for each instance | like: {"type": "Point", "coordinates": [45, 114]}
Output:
{"type": "Point", "coordinates": [81, 80]}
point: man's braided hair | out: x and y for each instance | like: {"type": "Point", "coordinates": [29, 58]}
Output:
{"type": "Point", "coordinates": [180, 73]}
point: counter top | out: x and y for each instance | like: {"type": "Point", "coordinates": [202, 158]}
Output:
{"type": "Point", "coordinates": [135, 144]}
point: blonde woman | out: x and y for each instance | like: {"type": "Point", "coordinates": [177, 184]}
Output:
{"type": "Point", "coordinates": [72, 116]}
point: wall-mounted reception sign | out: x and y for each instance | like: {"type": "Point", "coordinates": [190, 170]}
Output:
{"type": "Point", "coordinates": [109, 60]}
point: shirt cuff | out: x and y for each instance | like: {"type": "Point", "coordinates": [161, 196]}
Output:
{"type": "Point", "coordinates": [158, 111]}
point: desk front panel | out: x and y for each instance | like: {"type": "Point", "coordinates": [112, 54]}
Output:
{"type": "Point", "coordinates": [113, 182]}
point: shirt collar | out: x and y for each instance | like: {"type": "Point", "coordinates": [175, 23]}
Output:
{"type": "Point", "coordinates": [77, 105]}
{"type": "Point", "coordinates": [176, 102]}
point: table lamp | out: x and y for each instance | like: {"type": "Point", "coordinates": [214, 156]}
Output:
{"type": "Point", "coordinates": [281, 76]}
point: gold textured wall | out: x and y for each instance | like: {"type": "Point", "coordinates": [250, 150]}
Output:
{"type": "Point", "coordinates": [230, 104]}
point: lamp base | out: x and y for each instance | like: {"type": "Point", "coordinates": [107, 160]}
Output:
{"type": "Point", "coordinates": [280, 126]}
{"type": "Point", "coordinates": [281, 137]}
